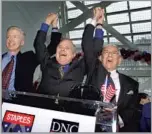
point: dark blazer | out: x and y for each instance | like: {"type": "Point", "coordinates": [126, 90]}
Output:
{"type": "Point", "coordinates": [97, 73]}
{"type": "Point", "coordinates": [127, 102]}
{"type": "Point", "coordinates": [91, 47]}
{"type": "Point", "coordinates": [25, 66]}
{"type": "Point", "coordinates": [51, 82]}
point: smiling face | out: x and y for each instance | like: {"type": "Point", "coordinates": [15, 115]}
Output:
{"type": "Point", "coordinates": [65, 52]}
{"type": "Point", "coordinates": [110, 57]}
{"type": "Point", "coordinates": [15, 39]}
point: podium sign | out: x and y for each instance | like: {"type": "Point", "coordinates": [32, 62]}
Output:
{"type": "Point", "coordinates": [32, 112]}
{"type": "Point", "coordinates": [18, 118]}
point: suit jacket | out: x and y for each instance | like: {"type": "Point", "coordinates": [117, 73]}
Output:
{"type": "Point", "coordinates": [97, 74]}
{"type": "Point", "coordinates": [91, 47]}
{"type": "Point", "coordinates": [51, 82]}
{"type": "Point", "coordinates": [55, 39]}
{"type": "Point", "coordinates": [127, 102]}
{"type": "Point", "coordinates": [25, 66]}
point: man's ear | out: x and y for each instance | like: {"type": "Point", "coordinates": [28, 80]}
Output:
{"type": "Point", "coordinates": [22, 43]}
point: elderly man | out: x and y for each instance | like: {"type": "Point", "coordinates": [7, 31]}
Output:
{"type": "Point", "coordinates": [125, 90]}
{"type": "Point", "coordinates": [62, 72]}
{"type": "Point", "coordinates": [114, 86]}
{"type": "Point", "coordinates": [17, 67]}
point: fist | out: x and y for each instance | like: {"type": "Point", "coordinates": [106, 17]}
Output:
{"type": "Point", "coordinates": [55, 22]}
{"type": "Point", "coordinates": [101, 18]}
{"type": "Point", "coordinates": [97, 13]}
{"type": "Point", "coordinates": [50, 18]}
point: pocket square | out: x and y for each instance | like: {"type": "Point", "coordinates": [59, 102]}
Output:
{"type": "Point", "coordinates": [130, 92]}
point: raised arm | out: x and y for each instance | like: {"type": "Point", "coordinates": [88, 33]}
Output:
{"type": "Point", "coordinates": [98, 38]}
{"type": "Point", "coordinates": [55, 38]}
{"type": "Point", "coordinates": [90, 44]}
{"type": "Point", "coordinates": [39, 42]}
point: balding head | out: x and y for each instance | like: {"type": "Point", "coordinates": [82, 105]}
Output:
{"type": "Point", "coordinates": [65, 52]}
{"type": "Point", "coordinates": [110, 57]}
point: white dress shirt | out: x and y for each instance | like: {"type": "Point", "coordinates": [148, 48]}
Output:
{"type": "Point", "coordinates": [115, 77]}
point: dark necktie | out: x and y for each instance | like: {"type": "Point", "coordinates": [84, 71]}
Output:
{"type": "Point", "coordinates": [108, 89]}
{"type": "Point", "coordinates": [61, 71]}
{"type": "Point", "coordinates": [6, 74]}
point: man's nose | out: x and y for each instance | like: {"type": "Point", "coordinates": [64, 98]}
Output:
{"type": "Point", "coordinates": [9, 39]}
{"type": "Point", "coordinates": [110, 54]}
{"type": "Point", "coordinates": [63, 49]}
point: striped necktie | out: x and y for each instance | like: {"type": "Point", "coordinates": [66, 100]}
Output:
{"type": "Point", "coordinates": [61, 71]}
{"type": "Point", "coordinates": [7, 72]}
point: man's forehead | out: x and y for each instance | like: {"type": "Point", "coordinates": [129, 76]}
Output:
{"type": "Point", "coordinates": [65, 43]}
{"type": "Point", "coordinates": [14, 31]}
{"type": "Point", "coordinates": [109, 47]}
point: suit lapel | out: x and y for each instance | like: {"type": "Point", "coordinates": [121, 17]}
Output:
{"type": "Point", "coordinates": [122, 89]}
{"type": "Point", "coordinates": [4, 54]}
{"type": "Point", "coordinates": [17, 69]}
{"type": "Point", "coordinates": [18, 58]}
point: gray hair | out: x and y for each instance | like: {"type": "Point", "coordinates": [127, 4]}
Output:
{"type": "Point", "coordinates": [73, 46]}
{"type": "Point", "coordinates": [104, 46]}
{"type": "Point", "coordinates": [17, 28]}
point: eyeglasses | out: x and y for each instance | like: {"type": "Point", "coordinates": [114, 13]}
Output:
{"type": "Point", "coordinates": [107, 53]}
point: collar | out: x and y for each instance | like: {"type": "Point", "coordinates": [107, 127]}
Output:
{"type": "Point", "coordinates": [10, 55]}
{"type": "Point", "coordinates": [114, 74]}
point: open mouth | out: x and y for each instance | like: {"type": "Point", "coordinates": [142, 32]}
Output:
{"type": "Point", "coordinates": [63, 55]}
{"type": "Point", "coordinates": [109, 60]}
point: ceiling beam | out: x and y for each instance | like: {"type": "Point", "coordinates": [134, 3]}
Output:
{"type": "Point", "coordinates": [87, 13]}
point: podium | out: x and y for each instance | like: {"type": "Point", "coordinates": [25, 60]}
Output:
{"type": "Point", "coordinates": [33, 112]}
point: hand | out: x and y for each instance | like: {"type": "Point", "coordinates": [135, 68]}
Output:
{"type": "Point", "coordinates": [97, 13]}
{"type": "Point", "coordinates": [50, 18]}
{"type": "Point", "coordinates": [101, 18]}
{"type": "Point", "coordinates": [55, 22]}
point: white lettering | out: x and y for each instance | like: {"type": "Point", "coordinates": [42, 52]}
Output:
{"type": "Point", "coordinates": [63, 126]}
{"type": "Point", "coordinates": [57, 126]}
{"type": "Point", "coordinates": [73, 127]}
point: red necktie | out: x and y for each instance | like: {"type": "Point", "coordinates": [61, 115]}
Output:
{"type": "Point", "coordinates": [6, 74]}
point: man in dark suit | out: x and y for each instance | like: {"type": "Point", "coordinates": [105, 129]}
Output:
{"type": "Point", "coordinates": [62, 72]}
{"type": "Point", "coordinates": [99, 67]}
{"type": "Point", "coordinates": [22, 64]}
